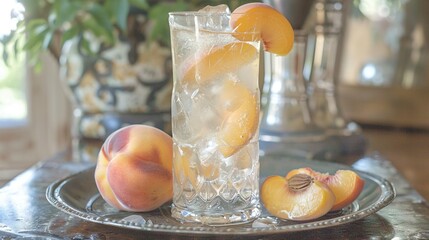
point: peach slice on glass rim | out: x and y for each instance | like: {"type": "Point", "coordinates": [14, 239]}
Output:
{"type": "Point", "coordinates": [267, 24]}
{"type": "Point", "coordinates": [299, 198]}
{"type": "Point", "coordinates": [345, 184]}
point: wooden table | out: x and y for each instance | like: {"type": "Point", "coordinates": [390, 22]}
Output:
{"type": "Point", "coordinates": [25, 212]}
{"type": "Point", "coordinates": [407, 150]}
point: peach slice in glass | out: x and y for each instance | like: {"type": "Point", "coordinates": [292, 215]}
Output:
{"type": "Point", "coordinates": [268, 25]}
{"type": "Point", "coordinates": [219, 60]}
{"type": "Point", "coordinates": [241, 121]}
{"type": "Point", "coordinates": [299, 198]}
{"type": "Point", "coordinates": [241, 117]}
{"type": "Point", "coordinates": [182, 165]}
{"type": "Point", "coordinates": [184, 169]}
{"type": "Point", "coordinates": [345, 184]}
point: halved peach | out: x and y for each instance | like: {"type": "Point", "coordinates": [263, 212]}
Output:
{"type": "Point", "coordinates": [300, 197]}
{"type": "Point", "coordinates": [345, 184]}
{"type": "Point", "coordinates": [268, 25]}
{"type": "Point", "coordinates": [242, 119]}
{"type": "Point", "coordinates": [219, 60]}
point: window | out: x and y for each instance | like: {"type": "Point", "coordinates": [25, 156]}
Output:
{"type": "Point", "coordinates": [13, 102]}
{"type": "Point", "coordinates": [35, 113]}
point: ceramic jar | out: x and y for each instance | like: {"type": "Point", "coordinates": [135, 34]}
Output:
{"type": "Point", "coordinates": [114, 86]}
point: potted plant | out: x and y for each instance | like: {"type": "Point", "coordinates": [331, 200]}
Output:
{"type": "Point", "coordinates": [114, 58]}
{"type": "Point", "coordinates": [50, 23]}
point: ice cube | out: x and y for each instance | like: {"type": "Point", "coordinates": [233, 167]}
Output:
{"type": "Point", "coordinates": [180, 118]}
{"type": "Point", "coordinates": [206, 150]}
{"type": "Point", "coordinates": [203, 116]}
{"type": "Point", "coordinates": [217, 18]}
{"type": "Point", "coordinates": [222, 8]}
{"type": "Point", "coordinates": [182, 132]}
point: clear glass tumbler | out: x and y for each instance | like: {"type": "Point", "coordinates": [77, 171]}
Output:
{"type": "Point", "coordinates": [215, 120]}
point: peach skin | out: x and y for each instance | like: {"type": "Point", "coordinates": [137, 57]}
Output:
{"type": "Point", "coordinates": [345, 184]}
{"type": "Point", "coordinates": [268, 25]}
{"type": "Point", "coordinates": [134, 168]}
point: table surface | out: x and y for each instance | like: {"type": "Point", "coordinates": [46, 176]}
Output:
{"type": "Point", "coordinates": [25, 212]}
{"type": "Point", "coordinates": [407, 150]}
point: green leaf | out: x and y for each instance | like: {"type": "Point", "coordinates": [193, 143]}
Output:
{"type": "Point", "coordinates": [65, 11]}
{"type": "Point", "coordinates": [5, 56]}
{"type": "Point", "coordinates": [105, 28]}
{"type": "Point", "coordinates": [35, 23]}
{"type": "Point", "coordinates": [119, 12]}
{"type": "Point", "coordinates": [86, 48]}
{"type": "Point", "coordinates": [17, 45]}
{"type": "Point", "coordinates": [47, 38]}
{"type": "Point", "coordinates": [69, 34]}
{"type": "Point", "coordinates": [91, 25]}
{"type": "Point", "coordinates": [35, 37]}
{"type": "Point", "coordinates": [159, 16]}
{"type": "Point", "coordinates": [101, 16]}
{"type": "Point", "coordinates": [36, 33]}
{"type": "Point", "coordinates": [10, 46]}
{"type": "Point", "coordinates": [142, 4]}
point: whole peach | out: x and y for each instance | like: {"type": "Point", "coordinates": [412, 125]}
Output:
{"type": "Point", "coordinates": [134, 168]}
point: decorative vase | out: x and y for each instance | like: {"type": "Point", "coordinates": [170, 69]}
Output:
{"type": "Point", "coordinates": [127, 83]}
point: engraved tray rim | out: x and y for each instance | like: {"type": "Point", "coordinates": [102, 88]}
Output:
{"type": "Point", "coordinates": [383, 198]}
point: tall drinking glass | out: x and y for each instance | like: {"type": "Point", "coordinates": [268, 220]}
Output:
{"type": "Point", "coordinates": [215, 117]}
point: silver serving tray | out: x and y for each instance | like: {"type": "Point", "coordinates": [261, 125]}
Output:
{"type": "Point", "coordinates": [78, 195]}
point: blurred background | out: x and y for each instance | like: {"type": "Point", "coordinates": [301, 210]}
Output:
{"type": "Point", "coordinates": [69, 69]}
{"type": "Point", "coordinates": [384, 72]}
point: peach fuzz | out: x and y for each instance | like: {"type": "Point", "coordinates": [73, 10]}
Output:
{"type": "Point", "coordinates": [345, 184]}
{"type": "Point", "coordinates": [268, 25]}
{"type": "Point", "coordinates": [134, 168]}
